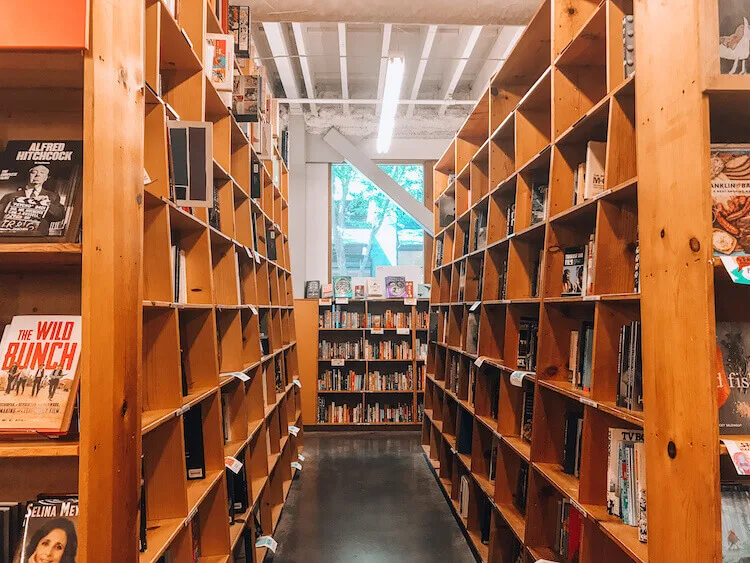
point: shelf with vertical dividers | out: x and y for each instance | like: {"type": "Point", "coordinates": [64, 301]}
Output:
{"type": "Point", "coordinates": [562, 86]}
{"type": "Point", "coordinates": [413, 395]}
{"type": "Point", "coordinates": [237, 315]}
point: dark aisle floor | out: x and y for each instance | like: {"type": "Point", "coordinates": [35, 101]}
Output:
{"type": "Point", "coordinates": [367, 497]}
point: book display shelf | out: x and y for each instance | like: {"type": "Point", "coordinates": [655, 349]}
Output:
{"type": "Point", "coordinates": [167, 375]}
{"type": "Point", "coordinates": [378, 380]}
{"type": "Point", "coordinates": [498, 403]}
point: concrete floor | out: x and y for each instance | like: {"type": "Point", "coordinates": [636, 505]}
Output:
{"type": "Point", "coordinates": [367, 497]}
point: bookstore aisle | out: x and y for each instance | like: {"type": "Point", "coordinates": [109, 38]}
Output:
{"type": "Point", "coordinates": [367, 496]}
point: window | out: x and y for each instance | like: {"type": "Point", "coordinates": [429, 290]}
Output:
{"type": "Point", "coordinates": [367, 228]}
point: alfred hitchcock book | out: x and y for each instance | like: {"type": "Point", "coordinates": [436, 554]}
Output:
{"type": "Point", "coordinates": [41, 191]}
{"type": "Point", "coordinates": [39, 360]}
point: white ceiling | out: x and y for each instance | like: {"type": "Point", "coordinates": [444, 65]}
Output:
{"type": "Point", "coordinates": [444, 63]}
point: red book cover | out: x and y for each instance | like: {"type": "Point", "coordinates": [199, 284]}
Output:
{"type": "Point", "coordinates": [575, 530]}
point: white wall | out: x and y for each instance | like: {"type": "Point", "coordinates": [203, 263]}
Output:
{"type": "Point", "coordinates": [309, 193]}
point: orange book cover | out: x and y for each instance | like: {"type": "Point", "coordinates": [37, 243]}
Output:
{"type": "Point", "coordinates": [44, 25]}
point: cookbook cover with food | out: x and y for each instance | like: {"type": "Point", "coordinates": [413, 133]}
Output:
{"type": "Point", "coordinates": [730, 192]}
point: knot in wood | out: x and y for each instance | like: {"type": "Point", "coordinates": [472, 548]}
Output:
{"type": "Point", "coordinates": [695, 244]}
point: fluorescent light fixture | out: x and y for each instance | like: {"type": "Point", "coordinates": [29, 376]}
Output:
{"type": "Point", "coordinates": [394, 76]}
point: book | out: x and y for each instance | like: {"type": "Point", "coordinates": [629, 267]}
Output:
{"type": "Point", "coordinates": [527, 341]}
{"type": "Point", "coordinates": [327, 290]}
{"type": "Point", "coordinates": [539, 183]}
{"type": "Point", "coordinates": [730, 195]}
{"type": "Point", "coordinates": [589, 274]}
{"type": "Point", "coordinates": [342, 286]}
{"type": "Point", "coordinates": [596, 155]}
{"type": "Point", "coordinates": [735, 533]}
{"type": "Point", "coordinates": [271, 244]}
{"type": "Point", "coordinates": [374, 288]}
{"type": "Point", "coordinates": [572, 274]}
{"type": "Point", "coordinates": [395, 286]}
{"type": "Point", "coordinates": [463, 497]}
{"type": "Point", "coordinates": [41, 185]}
{"type": "Point", "coordinates": [39, 373]}
{"type": "Point", "coordinates": [637, 268]}
{"type": "Point", "coordinates": [438, 252]}
{"type": "Point", "coordinates": [628, 46]}
{"type": "Point", "coordinates": [472, 333]}
{"type": "Point", "coordinates": [193, 434]}
{"type": "Point", "coordinates": [640, 473]}
{"type": "Point", "coordinates": [51, 530]}
{"type": "Point", "coordinates": [222, 60]}
{"type": "Point", "coordinates": [586, 354]}
{"type": "Point", "coordinates": [142, 516]}
{"type": "Point", "coordinates": [573, 358]}
{"type": "Point", "coordinates": [572, 437]}
{"type": "Point", "coordinates": [12, 520]}
{"type": "Point", "coordinates": [214, 212]}
{"type": "Point", "coordinates": [618, 439]}
{"type": "Point", "coordinates": [409, 289]}
{"type": "Point", "coordinates": [510, 218]}
{"type": "Point", "coordinates": [312, 289]}
{"type": "Point", "coordinates": [247, 98]}
{"type": "Point", "coordinates": [734, 34]}
{"type": "Point", "coordinates": [522, 486]}
{"type": "Point", "coordinates": [536, 273]}
{"type": "Point", "coordinates": [255, 187]}
{"type": "Point", "coordinates": [733, 379]}
{"type": "Point", "coordinates": [527, 415]}
{"type": "Point", "coordinates": [359, 291]}
{"type": "Point", "coordinates": [423, 290]}
{"type": "Point", "coordinates": [480, 229]}
{"type": "Point", "coordinates": [239, 28]}
{"type": "Point", "coordinates": [446, 210]}
{"type": "Point", "coordinates": [191, 163]}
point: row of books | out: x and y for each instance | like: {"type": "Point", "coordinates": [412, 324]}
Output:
{"type": "Point", "coordinates": [578, 270]}
{"type": "Point", "coordinates": [389, 319]}
{"type": "Point", "coordinates": [339, 380]}
{"type": "Point", "coordinates": [397, 381]}
{"type": "Point", "coordinates": [422, 320]}
{"type": "Point", "coordinates": [341, 350]}
{"type": "Point", "coordinates": [333, 413]}
{"type": "Point", "coordinates": [572, 441]}
{"type": "Point", "coordinates": [400, 412]}
{"type": "Point", "coordinates": [528, 334]}
{"type": "Point", "coordinates": [396, 287]}
{"type": "Point", "coordinates": [626, 478]}
{"type": "Point", "coordinates": [581, 355]}
{"type": "Point", "coordinates": [336, 318]}
{"type": "Point", "coordinates": [388, 350]}
{"type": "Point", "coordinates": [630, 368]}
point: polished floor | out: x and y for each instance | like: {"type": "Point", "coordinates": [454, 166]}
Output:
{"type": "Point", "coordinates": [367, 497]}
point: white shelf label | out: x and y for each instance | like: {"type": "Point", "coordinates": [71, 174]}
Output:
{"type": "Point", "coordinates": [268, 542]}
{"type": "Point", "coordinates": [300, 457]}
{"type": "Point", "coordinates": [297, 382]}
{"type": "Point", "coordinates": [338, 363]}
{"type": "Point", "coordinates": [405, 331]}
{"type": "Point", "coordinates": [475, 306]}
{"type": "Point", "coordinates": [453, 451]}
{"type": "Point", "coordinates": [253, 309]}
{"type": "Point", "coordinates": [410, 301]}
{"type": "Point", "coordinates": [233, 464]}
{"type": "Point", "coordinates": [326, 301]}
{"type": "Point", "coordinates": [592, 297]}
{"type": "Point", "coordinates": [293, 430]}
{"type": "Point", "coordinates": [588, 402]}
{"type": "Point", "coordinates": [376, 331]}
{"type": "Point", "coordinates": [297, 465]}
{"type": "Point", "coordinates": [242, 376]}
{"type": "Point", "coordinates": [479, 361]}
{"type": "Point", "coordinates": [257, 256]}
{"type": "Point", "coordinates": [516, 378]}
{"type": "Point", "coordinates": [342, 301]}
{"type": "Point", "coordinates": [249, 254]}
{"type": "Point", "coordinates": [191, 515]}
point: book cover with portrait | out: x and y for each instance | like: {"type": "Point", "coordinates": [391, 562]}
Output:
{"type": "Point", "coordinates": [41, 191]}
{"type": "Point", "coordinates": [51, 531]}
{"type": "Point", "coordinates": [39, 366]}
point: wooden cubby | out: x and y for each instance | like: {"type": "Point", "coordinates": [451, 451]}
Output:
{"type": "Point", "coordinates": [561, 87]}
{"type": "Point", "coordinates": [139, 347]}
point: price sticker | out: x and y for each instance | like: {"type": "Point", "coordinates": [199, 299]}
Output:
{"type": "Point", "coordinates": [267, 542]}
{"type": "Point", "coordinates": [297, 465]}
{"type": "Point", "coordinates": [410, 301]}
{"type": "Point", "coordinates": [232, 464]}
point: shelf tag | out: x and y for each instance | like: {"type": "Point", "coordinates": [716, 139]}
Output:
{"type": "Point", "coordinates": [405, 331]}
{"type": "Point", "coordinates": [588, 402]}
{"type": "Point", "coordinates": [297, 465]}
{"type": "Point", "coordinates": [183, 410]}
{"type": "Point", "coordinates": [249, 254]}
{"type": "Point", "coordinates": [254, 309]}
{"type": "Point", "coordinates": [242, 376]}
{"type": "Point", "coordinates": [293, 430]}
{"type": "Point", "coordinates": [479, 361]}
{"type": "Point", "coordinates": [300, 457]}
{"type": "Point", "coordinates": [516, 378]}
{"type": "Point", "coordinates": [233, 464]}
{"type": "Point", "coordinates": [326, 301]}
{"type": "Point", "coordinates": [257, 256]}
{"type": "Point", "coordinates": [342, 301]}
{"type": "Point", "coordinates": [475, 306]}
{"type": "Point", "coordinates": [267, 541]}
{"type": "Point", "coordinates": [453, 451]}
{"type": "Point", "coordinates": [297, 382]}
{"type": "Point", "coordinates": [592, 297]}
{"type": "Point", "coordinates": [338, 362]}
{"type": "Point", "coordinates": [739, 451]}
{"type": "Point", "coordinates": [191, 515]}
{"type": "Point", "coordinates": [410, 301]}
{"type": "Point", "coordinates": [376, 331]}
{"type": "Point", "coordinates": [544, 561]}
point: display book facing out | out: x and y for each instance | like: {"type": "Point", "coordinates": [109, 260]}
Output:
{"type": "Point", "coordinates": [371, 360]}
{"type": "Point", "coordinates": [216, 306]}
{"type": "Point", "coordinates": [521, 391]}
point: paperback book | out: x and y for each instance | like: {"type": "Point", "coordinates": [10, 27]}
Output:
{"type": "Point", "coordinates": [735, 522]}
{"type": "Point", "coordinates": [51, 531]}
{"type": "Point", "coordinates": [733, 379]}
{"type": "Point", "coordinates": [730, 194]}
{"type": "Point", "coordinates": [573, 271]}
{"type": "Point", "coordinates": [395, 286]}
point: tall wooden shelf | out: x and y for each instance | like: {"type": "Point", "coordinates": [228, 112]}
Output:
{"type": "Point", "coordinates": [132, 401]}
{"type": "Point", "coordinates": [562, 86]}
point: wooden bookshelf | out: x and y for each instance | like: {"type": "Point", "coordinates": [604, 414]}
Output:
{"type": "Point", "coordinates": [562, 86]}
{"type": "Point", "coordinates": [309, 311]}
{"type": "Point", "coordinates": [136, 336]}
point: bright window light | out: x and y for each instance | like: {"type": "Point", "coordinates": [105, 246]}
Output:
{"type": "Point", "coordinates": [393, 78]}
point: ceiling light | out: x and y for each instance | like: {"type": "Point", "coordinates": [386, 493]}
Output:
{"type": "Point", "coordinates": [394, 76]}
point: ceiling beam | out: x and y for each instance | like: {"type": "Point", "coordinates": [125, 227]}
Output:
{"type": "Point", "coordinates": [426, 48]}
{"type": "Point", "coordinates": [467, 40]}
{"type": "Point", "coordinates": [344, 70]}
{"type": "Point", "coordinates": [374, 101]}
{"type": "Point", "coordinates": [507, 38]}
{"type": "Point", "coordinates": [375, 174]}
{"type": "Point", "coordinates": [301, 40]}
{"type": "Point", "coordinates": [385, 47]}
{"type": "Point", "coordinates": [280, 52]}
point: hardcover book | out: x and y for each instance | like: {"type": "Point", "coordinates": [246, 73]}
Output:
{"type": "Point", "coordinates": [734, 36]}
{"type": "Point", "coordinates": [51, 531]}
{"type": "Point", "coordinates": [573, 266]}
{"type": "Point", "coordinates": [41, 185]}
{"type": "Point", "coordinates": [538, 196]}
{"type": "Point", "coordinates": [39, 373]}
{"type": "Point", "coordinates": [247, 98]}
{"type": "Point", "coordinates": [423, 290]}
{"type": "Point", "coordinates": [239, 28]}
{"type": "Point", "coordinates": [326, 290]}
{"type": "Point", "coordinates": [618, 439]}
{"type": "Point", "coordinates": [342, 286]}
{"type": "Point", "coordinates": [193, 430]}
{"type": "Point", "coordinates": [222, 62]}
{"type": "Point", "coordinates": [596, 154]}
{"type": "Point", "coordinates": [374, 288]}
{"type": "Point", "coordinates": [395, 286]}
{"type": "Point", "coordinates": [733, 379]}
{"type": "Point", "coordinates": [359, 291]}
{"type": "Point", "coordinates": [312, 289]}
{"type": "Point", "coordinates": [730, 194]}
{"type": "Point", "coordinates": [409, 289]}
